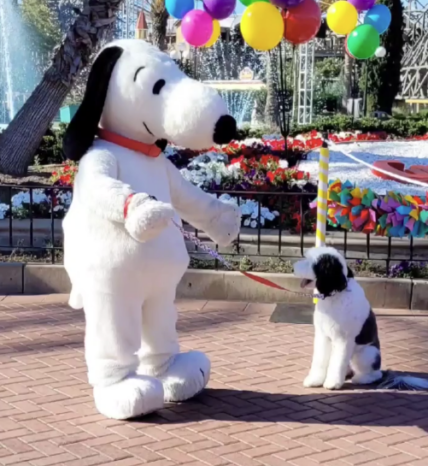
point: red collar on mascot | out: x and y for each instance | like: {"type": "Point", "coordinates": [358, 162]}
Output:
{"type": "Point", "coordinates": [151, 150]}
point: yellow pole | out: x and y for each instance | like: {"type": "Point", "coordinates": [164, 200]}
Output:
{"type": "Point", "coordinates": [322, 197]}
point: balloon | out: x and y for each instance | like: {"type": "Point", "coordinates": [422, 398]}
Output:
{"type": "Point", "coordinates": [215, 35]}
{"type": "Point", "coordinates": [380, 52]}
{"type": "Point", "coordinates": [250, 2]}
{"type": "Point", "coordinates": [286, 4]}
{"type": "Point", "coordinates": [178, 8]}
{"type": "Point", "coordinates": [197, 28]}
{"type": "Point", "coordinates": [262, 26]}
{"type": "Point", "coordinates": [362, 5]}
{"type": "Point", "coordinates": [342, 17]}
{"type": "Point", "coordinates": [348, 52]}
{"type": "Point", "coordinates": [379, 17]}
{"type": "Point", "coordinates": [219, 9]}
{"type": "Point", "coordinates": [302, 22]}
{"type": "Point", "coordinates": [363, 41]}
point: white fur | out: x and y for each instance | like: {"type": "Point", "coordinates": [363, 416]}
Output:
{"type": "Point", "coordinates": [125, 272]}
{"type": "Point", "coordinates": [338, 320]}
{"type": "Point", "coordinates": [185, 112]}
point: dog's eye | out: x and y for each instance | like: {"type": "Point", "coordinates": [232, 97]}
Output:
{"type": "Point", "coordinates": [158, 86]}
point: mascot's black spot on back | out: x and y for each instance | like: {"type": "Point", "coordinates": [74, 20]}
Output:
{"type": "Point", "coordinates": [368, 334]}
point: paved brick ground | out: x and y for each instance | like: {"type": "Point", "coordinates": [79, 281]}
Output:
{"type": "Point", "coordinates": [255, 411]}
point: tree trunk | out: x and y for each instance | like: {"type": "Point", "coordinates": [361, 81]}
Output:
{"type": "Point", "coordinates": [159, 17]}
{"type": "Point", "coordinates": [21, 139]}
{"type": "Point", "coordinates": [271, 109]}
{"type": "Point", "coordinates": [347, 81]}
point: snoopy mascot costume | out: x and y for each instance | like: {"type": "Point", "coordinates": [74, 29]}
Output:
{"type": "Point", "coordinates": [123, 253]}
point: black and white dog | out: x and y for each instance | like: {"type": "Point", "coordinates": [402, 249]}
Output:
{"type": "Point", "coordinates": [346, 335]}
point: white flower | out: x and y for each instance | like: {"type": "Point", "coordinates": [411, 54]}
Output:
{"type": "Point", "coordinates": [283, 164]}
{"type": "Point", "coordinates": [247, 222]}
{"type": "Point", "coordinates": [253, 224]}
{"type": "Point", "coordinates": [3, 209]}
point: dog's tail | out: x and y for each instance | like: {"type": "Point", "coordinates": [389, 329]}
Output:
{"type": "Point", "coordinates": [393, 381]}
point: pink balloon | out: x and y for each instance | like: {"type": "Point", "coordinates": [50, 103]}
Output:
{"type": "Point", "coordinates": [197, 27]}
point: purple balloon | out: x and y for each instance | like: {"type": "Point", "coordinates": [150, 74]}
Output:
{"type": "Point", "coordinates": [362, 5]}
{"type": "Point", "coordinates": [219, 9]}
{"type": "Point", "coordinates": [286, 4]}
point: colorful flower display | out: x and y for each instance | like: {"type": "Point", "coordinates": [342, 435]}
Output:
{"type": "Point", "coordinates": [393, 214]}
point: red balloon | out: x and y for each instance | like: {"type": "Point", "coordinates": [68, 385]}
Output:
{"type": "Point", "coordinates": [347, 50]}
{"type": "Point", "coordinates": [302, 22]}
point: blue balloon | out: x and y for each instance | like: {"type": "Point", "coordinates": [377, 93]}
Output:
{"type": "Point", "coordinates": [179, 8]}
{"type": "Point", "coordinates": [379, 17]}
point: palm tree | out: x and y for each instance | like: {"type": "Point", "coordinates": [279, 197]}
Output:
{"type": "Point", "coordinates": [21, 139]}
{"type": "Point", "coordinates": [159, 17]}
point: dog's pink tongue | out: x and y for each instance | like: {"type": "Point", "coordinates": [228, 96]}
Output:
{"type": "Point", "coordinates": [304, 283]}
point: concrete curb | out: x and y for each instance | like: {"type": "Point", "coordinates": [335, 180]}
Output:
{"type": "Point", "coordinates": [22, 279]}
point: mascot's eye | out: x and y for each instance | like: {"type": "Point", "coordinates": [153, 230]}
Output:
{"type": "Point", "coordinates": [158, 86]}
{"type": "Point", "coordinates": [136, 73]}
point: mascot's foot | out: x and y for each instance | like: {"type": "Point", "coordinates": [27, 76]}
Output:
{"type": "Point", "coordinates": [134, 396]}
{"type": "Point", "coordinates": [75, 301]}
{"type": "Point", "coordinates": [187, 376]}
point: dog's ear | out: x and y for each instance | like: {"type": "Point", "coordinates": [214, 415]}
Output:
{"type": "Point", "coordinates": [83, 128]}
{"type": "Point", "coordinates": [329, 275]}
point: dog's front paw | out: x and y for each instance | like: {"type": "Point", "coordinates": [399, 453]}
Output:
{"type": "Point", "coordinates": [314, 380]}
{"type": "Point", "coordinates": [333, 384]}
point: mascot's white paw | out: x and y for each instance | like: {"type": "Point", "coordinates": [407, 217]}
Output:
{"type": "Point", "coordinates": [147, 217]}
{"type": "Point", "coordinates": [187, 376]}
{"type": "Point", "coordinates": [134, 396]}
{"type": "Point", "coordinates": [224, 227]}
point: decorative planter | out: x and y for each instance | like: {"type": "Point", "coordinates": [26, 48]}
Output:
{"type": "Point", "coordinates": [67, 113]}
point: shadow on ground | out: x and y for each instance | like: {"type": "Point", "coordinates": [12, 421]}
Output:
{"type": "Point", "coordinates": [363, 408]}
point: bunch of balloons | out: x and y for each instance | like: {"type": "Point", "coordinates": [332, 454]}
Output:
{"type": "Point", "coordinates": [263, 25]}
{"type": "Point", "coordinates": [362, 40]}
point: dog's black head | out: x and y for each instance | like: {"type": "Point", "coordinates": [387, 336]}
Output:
{"type": "Point", "coordinates": [325, 269]}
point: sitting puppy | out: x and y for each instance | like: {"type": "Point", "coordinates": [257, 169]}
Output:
{"type": "Point", "coordinates": [346, 335]}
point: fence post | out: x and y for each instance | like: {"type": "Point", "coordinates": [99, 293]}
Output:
{"type": "Point", "coordinates": [322, 196]}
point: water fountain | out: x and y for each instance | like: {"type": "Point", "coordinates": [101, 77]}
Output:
{"type": "Point", "coordinates": [6, 64]}
{"type": "Point", "coordinates": [21, 64]}
{"type": "Point", "coordinates": [237, 72]}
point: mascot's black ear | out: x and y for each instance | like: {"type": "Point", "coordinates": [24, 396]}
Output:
{"type": "Point", "coordinates": [329, 275]}
{"type": "Point", "coordinates": [83, 128]}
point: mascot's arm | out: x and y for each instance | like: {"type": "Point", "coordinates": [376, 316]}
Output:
{"type": "Point", "coordinates": [97, 185]}
{"type": "Point", "coordinates": [99, 189]}
{"type": "Point", "coordinates": [220, 220]}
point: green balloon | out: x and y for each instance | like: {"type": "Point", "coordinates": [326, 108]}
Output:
{"type": "Point", "coordinates": [363, 41]}
{"type": "Point", "coordinates": [250, 2]}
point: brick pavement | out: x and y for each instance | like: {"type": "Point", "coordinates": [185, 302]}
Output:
{"type": "Point", "coordinates": [254, 413]}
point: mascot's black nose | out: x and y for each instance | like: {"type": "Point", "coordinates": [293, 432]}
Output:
{"type": "Point", "coordinates": [225, 130]}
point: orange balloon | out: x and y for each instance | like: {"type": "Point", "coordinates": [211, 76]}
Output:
{"type": "Point", "coordinates": [302, 22]}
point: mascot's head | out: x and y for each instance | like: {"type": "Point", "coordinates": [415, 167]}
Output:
{"type": "Point", "coordinates": [138, 92]}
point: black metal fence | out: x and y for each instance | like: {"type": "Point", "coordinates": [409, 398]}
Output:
{"type": "Point", "coordinates": [31, 229]}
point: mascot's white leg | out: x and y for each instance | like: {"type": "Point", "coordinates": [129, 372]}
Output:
{"type": "Point", "coordinates": [183, 375]}
{"type": "Point", "coordinates": [112, 340]}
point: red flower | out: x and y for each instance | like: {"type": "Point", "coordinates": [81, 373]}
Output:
{"type": "Point", "coordinates": [271, 176]}
{"type": "Point", "coordinates": [300, 175]}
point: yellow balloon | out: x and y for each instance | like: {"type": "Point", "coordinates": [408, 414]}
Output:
{"type": "Point", "coordinates": [215, 35]}
{"type": "Point", "coordinates": [262, 26]}
{"type": "Point", "coordinates": [342, 17]}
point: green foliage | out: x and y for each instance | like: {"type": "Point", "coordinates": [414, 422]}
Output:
{"type": "Point", "coordinates": [50, 149]}
{"type": "Point", "coordinates": [42, 24]}
{"type": "Point", "coordinates": [401, 126]}
{"type": "Point", "coordinates": [384, 73]}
